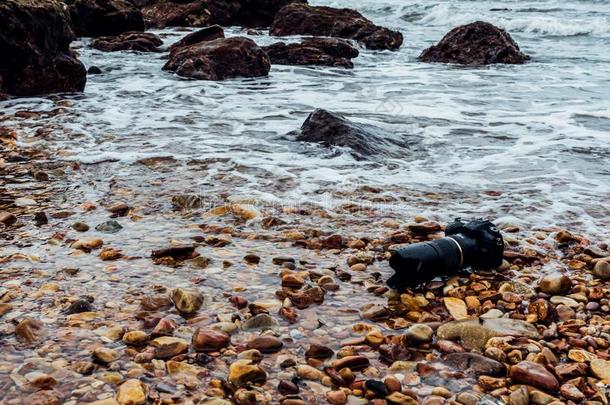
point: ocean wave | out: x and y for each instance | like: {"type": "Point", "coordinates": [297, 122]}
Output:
{"type": "Point", "coordinates": [444, 14]}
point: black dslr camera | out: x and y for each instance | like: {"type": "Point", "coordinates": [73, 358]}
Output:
{"type": "Point", "coordinates": [476, 244]}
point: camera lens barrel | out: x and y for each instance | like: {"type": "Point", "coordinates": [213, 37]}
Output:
{"type": "Point", "coordinates": [476, 244]}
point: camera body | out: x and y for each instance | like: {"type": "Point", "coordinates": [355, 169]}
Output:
{"type": "Point", "coordinates": [477, 243]}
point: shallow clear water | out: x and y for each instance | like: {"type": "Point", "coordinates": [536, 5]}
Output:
{"type": "Point", "coordinates": [537, 133]}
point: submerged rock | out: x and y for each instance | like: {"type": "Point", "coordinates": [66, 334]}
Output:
{"type": "Point", "coordinates": [131, 392]}
{"type": "Point", "coordinates": [474, 333]}
{"type": "Point", "coordinates": [475, 363]}
{"type": "Point", "coordinates": [36, 59]}
{"type": "Point", "coordinates": [303, 19]}
{"type": "Point", "coordinates": [315, 51]}
{"type": "Point", "coordinates": [365, 141]}
{"type": "Point", "coordinates": [97, 18]}
{"type": "Point", "coordinates": [129, 41]}
{"type": "Point", "coordinates": [187, 301]}
{"type": "Point", "coordinates": [220, 59]}
{"type": "Point", "coordinates": [478, 43]}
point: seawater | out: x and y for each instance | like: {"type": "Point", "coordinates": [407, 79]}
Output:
{"type": "Point", "coordinates": [526, 144]}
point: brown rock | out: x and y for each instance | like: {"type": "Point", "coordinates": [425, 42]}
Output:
{"type": "Point", "coordinates": [220, 59]}
{"type": "Point", "coordinates": [36, 58]}
{"type": "Point", "coordinates": [7, 218]}
{"type": "Point", "coordinates": [135, 338]}
{"type": "Point", "coordinates": [205, 34]}
{"type": "Point", "coordinates": [266, 344]}
{"type": "Point", "coordinates": [242, 372]}
{"type": "Point", "coordinates": [131, 392]}
{"type": "Point", "coordinates": [46, 397]}
{"type": "Point", "coordinates": [475, 363]}
{"type": "Point", "coordinates": [555, 284]}
{"type": "Point", "coordinates": [105, 355]}
{"type": "Point", "coordinates": [352, 362]}
{"type": "Point", "coordinates": [165, 327]}
{"type": "Point", "coordinates": [129, 41]}
{"type": "Point", "coordinates": [337, 397]}
{"type": "Point", "coordinates": [478, 43]}
{"type": "Point", "coordinates": [534, 374]}
{"type": "Point", "coordinates": [317, 351]}
{"type": "Point", "coordinates": [167, 347]}
{"type": "Point", "coordinates": [303, 19]}
{"type": "Point", "coordinates": [474, 333]}
{"type": "Point", "coordinates": [96, 18]}
{"type": "Point", "coordinates": [187, 301]}
{"type": "Point", "coordinates": [210, 340]}
{"type": "Point", "coordinates": [29, 330]}
{"type": "Point", "coordinates": [316, 51]}
{"type": "Point", "coordinates": [179, 252]}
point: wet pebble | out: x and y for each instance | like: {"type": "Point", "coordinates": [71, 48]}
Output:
{"type": "Point", "coordinates": [131, 392]}
{"type": "Point", "coordinates": [266, 344]}
{"type": "Point", "coordinates": [210, 340]}
{"type": "Point", "coordinates": [534, 374]}
{"type": "Point", "coordinates": [555, 284]}
{"type": "Point", "coordinates": [187, 301]}
{"type": "Point", "coordinates": [111, 226]}
{"type": "Point", "coordinates": [601, 270]}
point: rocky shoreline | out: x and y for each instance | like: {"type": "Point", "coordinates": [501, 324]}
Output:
{"type": "Point", "coordinates": [133, 301]}
{"type": "Point", "coordinates": [121, 285]}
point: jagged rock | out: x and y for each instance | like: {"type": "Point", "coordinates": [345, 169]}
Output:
{"type": "Point", "coordinates": [365, 141]}
{"type": "Point", "coordinates": [97, 18]}
{"type": "Point", "coordinates": [220, 59]}
{"type": "Point", "coordinates": [303, 19]}
{"type": "Point", "coordinates": [315, 51]}
{"type": "Point", "coordinates": [478, 43]}
{"type": "Point", "coordinates": [129, 41]}
{"type": "Point", "coordinates": [36, 59]}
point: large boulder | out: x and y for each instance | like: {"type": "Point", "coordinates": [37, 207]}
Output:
{"type": "Point", "coordinates": [365, 141]}
{"type": "Point", "coordinates": [220, 59]}
{"type": "Point", "coordinates": [129, 41]}
{"type": "Point", "coordinates": [200, 13]}
{"type": "Point", "coordinates": [303, 19]}
{"type": "Point", "coordinates": [36, 59]}
{"type": "Point", "coordinates": [315, 51]}
{"type": "Point", "coordinates": [98, 18]}
{"type": "Point", "coordinates": [479, 43]}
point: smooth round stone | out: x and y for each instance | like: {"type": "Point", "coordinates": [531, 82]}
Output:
{"type": "Point", "coordinates": [601, 270]}
{"type": "Point", "coordinates": [555, 284]}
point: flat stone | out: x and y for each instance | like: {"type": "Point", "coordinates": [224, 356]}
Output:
{"type": "Point", "coordinates": [601, 369]}
{"type": "Point", "coordinates": [475, 333]}
{"type": "Point", "coordinates": [210, 340]}
{"type": "Point", "coordinates": [167, 347]}
{"type": "Point", "coordinates": [266, 344]}
{"type": "Point", "coordinates": [260, 321]}
{"type": "Point", "coordinates": [477, 364]}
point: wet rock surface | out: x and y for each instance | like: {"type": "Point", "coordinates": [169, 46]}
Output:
{"type": "Point", "coordinates": [200, 13]}
{"type": "Point", "coordinates": [303, 19]}
{"type": "Point", "coordinates": [478, 43]}
{"type": "Point", "coordinates": [129, 41]}
{"type": "Point", "coordinates": [365, 141]}
{"type": "Point", "coordinates": [96, 18]}
{"type": "Point", "coordinates": [36, 59]}
{"type": "Point", "coordinates": [220, 59]}
{"type": "Point", "coordinates": [316, 51]}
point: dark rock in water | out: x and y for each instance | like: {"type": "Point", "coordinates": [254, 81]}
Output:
{"type": "Point", "coordinates": [34, 41]}
{"type": "Point", "coordinates": [40, 218]}
{"type": "Point", "coordinates": [260, 13]}
{"type": "Point", "coordinates": [129, 41]}
{"type": "Point", "coordinates": [316, 51]}
{"type": "Point", "coordinates": [110, 226]}
{"type": "Point", "coordinates": [477, 364]}
{"type": "Point", "coordinates": [199, 13]}
{"type": "Point", "coordinates": [220, 59]}
{"type": "Point", "coordinates": [176, 251]}
{"type": "Point", "coordinates": [479, 43]}
{"type": "Point", "coordinates": [202, 35]}
{"type": "Point", "coordinates": [97, 18]}
{"type": "Point", "coordinates": [303, 19]}
{"type": "Point", "coordinates": [331, 129]}
{"type": "Point", "coordinates": [94, 70]}
{"type": "Point", "coordinates": [79, 306]}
